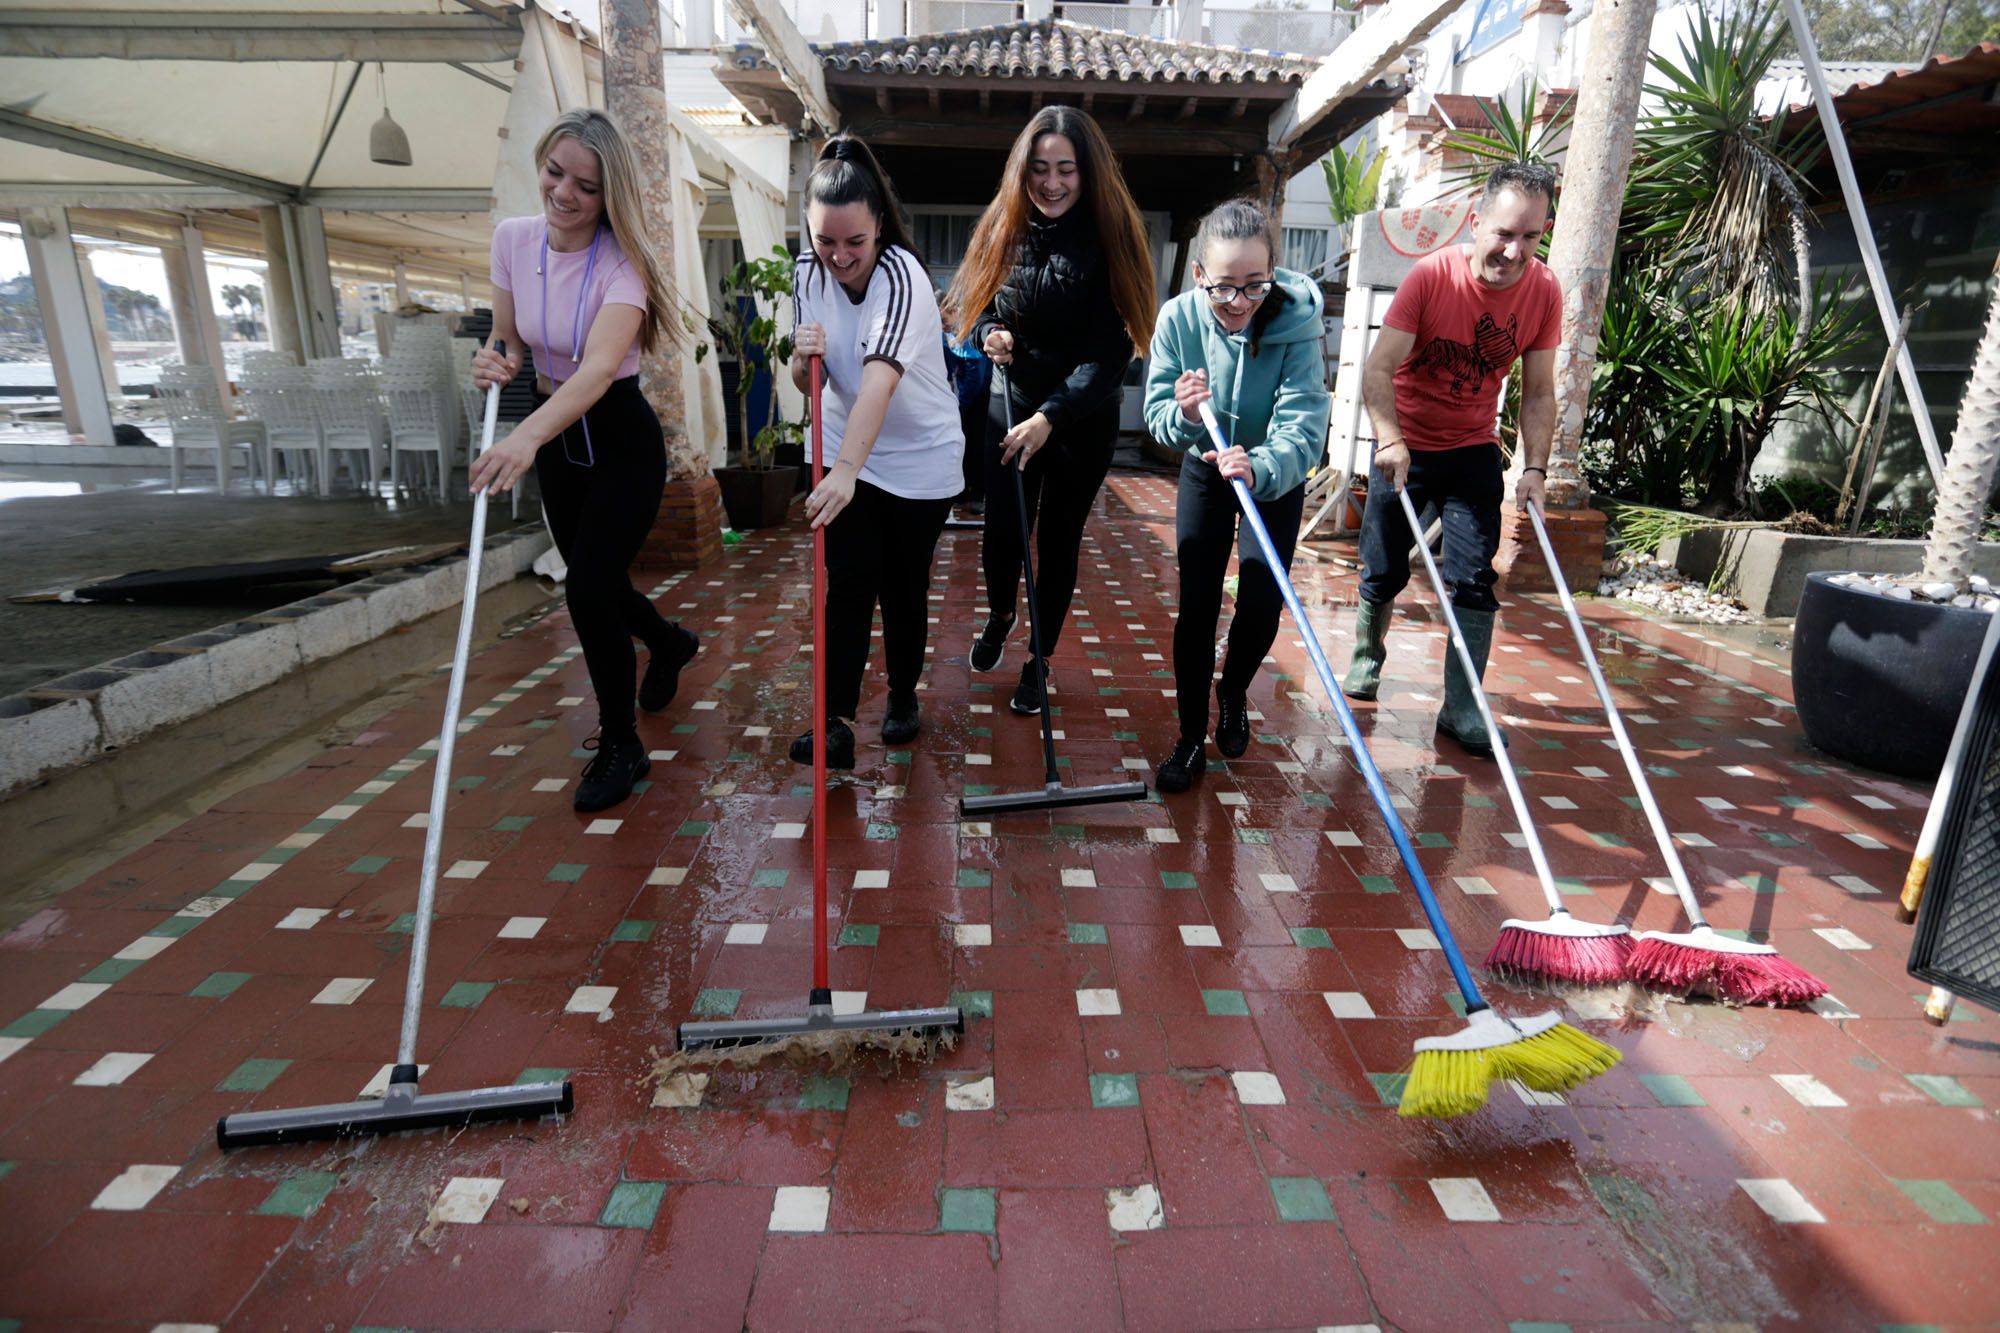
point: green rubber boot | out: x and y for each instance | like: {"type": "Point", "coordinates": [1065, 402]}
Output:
{"type": "Point", "coordinates": [1460, 719]}
{"type": "Point", "coordinates": [1371, 649]}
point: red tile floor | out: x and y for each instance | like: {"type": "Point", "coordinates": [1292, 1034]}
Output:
{"type": "Point", "coordinates": [1174, 1104]}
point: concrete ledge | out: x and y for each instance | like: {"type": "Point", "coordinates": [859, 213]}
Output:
{"type": "Point", "coordinates": [74, 719]}
{"type": "Point", "coordinates": [1766, 570]}
{"type": "Point", "coordinates": [87, 455]}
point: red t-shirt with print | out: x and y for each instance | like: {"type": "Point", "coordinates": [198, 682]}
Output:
{"type": "Point", "coordinates": [1468, 337]}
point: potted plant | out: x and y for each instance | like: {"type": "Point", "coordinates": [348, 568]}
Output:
{"type": "Point", "coordinates": [756, 491]}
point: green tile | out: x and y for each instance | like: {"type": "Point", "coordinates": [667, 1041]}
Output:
{"type": "Point", "coordinates": [1779, 839]}
{"type": "Point", "coordinates": [1760, 883]}
{"type": "Point", "coordinates": [1943, 1089]}
{"type": "Point", "coordinates": [1067, 832]}
{"type": "Point", "coordinates": [1254, 837]}
{"type": "Point", "coordinates": [1883, 1328]}
{"type": "Point", "coordinates": [541, 1074]}
{"type": "Point", "coordinates": [824, 1092]}
{"type": "Point", "coordinates": [632, 1204]}
{"type": "Point", "coordinates": [1433, 840]}
{"type": "Point", "coordinates": [864, 936]}
{"type": "Point", "coordinates": [6, 1168]}
{"type": "Point", "coordinates": [253, 1076]}
{"type": "Point", "coordinates": [1672, 1090]}
{"type": "Point", "coordinates": [1311, 937]}
{"type": "Point", "coordinates": [1571, 887]}
{"type": "Point", "coordinates": [176, 926]}
{"type": "Point", "coordinates": [631, 930]}
{"type": "Point", "coordinates": [716, 1002]}
{"type": "Point", "coordinates": [470, 782]}
{"type": "Point", "coordinates": [1795, 803]}
{"type": "Point", "coordinates": [1114, 1090]}
{"type": "Point", "coordinates": [1389, 1087]}
{"type": "Point", "coordinates": [1661, 771]}
{"type": "Point", "coordinates": [110, 970]}
{"type": "Point", "coordinates": [1456, 1001]}
{"type": "Point", "coordinates": [321, 826]}
{"type": "Point", "coordinates": [406, 924]}
{"type": "Point", "coordinates": [1127, 736]}
{"type": "Point", "coordinates": [1177, 879]}
{"type": "Point", "coordinates": [300, 1194]}
{"type": "Point", "coordinates": [35, 1022]}
{"type": "Point", "coordinates": [220, 984]}
{"type": "Point", "coordinates": [974, 879]}
{"type": "Point", "coordinates": [1378, 883]}
{"type": "Point", "coordinates": [1301, 1199]}
{"type": "Point", "coordinates": [692, 828]}
{"type": "Point", "coordinates": [512, 823]}
{"type": "Point", "coordinates": [974, 1003]}
{"type": "Point", "coordinates": [1316, 800]}
{"type": "Point", "coordinates": [1609, 840]}
{"type": "Point", "coordinates": [566, 872]}
{"type": "Point", "coordinates": [1535, 1326]}
{"type": "Point", "coordinates": [1082, 933]}
{"type": "Point", "coordinates": [1479, 801]}
{"type": "Point", "coordinates": [1227, 1003]}
{"type": "Point", "coordinates": [879, 832]}
{"type": "Point", "coordinates": [768, 879]}
{"type": "Point", "coordinates": [466, 995]}
{"type": "Point", "coordinates": [967, 1210]}
{"type": "Point", "coordinates": [1624, 1198]}
{"type": "Point", "coordinates": [901, 758]}
{"type": "Point", "coordinates": [685, 729]}
{"type": "Point", "coordinates": [1942, 1202]}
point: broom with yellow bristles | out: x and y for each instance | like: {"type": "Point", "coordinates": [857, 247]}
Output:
{"type": "Point", "coordinates": [1450, 1075]}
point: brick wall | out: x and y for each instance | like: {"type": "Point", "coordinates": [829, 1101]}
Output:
{"type": "Point", "coordinates": [688, 532]}
{"type": "Point", "coordinates": [1578, 538]}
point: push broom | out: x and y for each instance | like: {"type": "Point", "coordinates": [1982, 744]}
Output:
{"type": "Point", "coordinates": [1561, 948]}
{"type": "Point", "coordinates": [1053, 794]}
{"type": "Point", "coordinates": [821, 1031]}
{"type": "Point", "coordinates": [1700, 958]}
{"type": "Point", "coordinates": [403, 1106]}
{"type": "Point", "coordinates": [1450, 1075]}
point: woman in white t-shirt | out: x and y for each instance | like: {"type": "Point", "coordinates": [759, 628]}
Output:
{"type": "Point", "coordinates": [891, 442]}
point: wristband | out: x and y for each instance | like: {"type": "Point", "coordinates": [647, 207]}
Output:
{"type": "Point", "coordinates": [1544, 471]}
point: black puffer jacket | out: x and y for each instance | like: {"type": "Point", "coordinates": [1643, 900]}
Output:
{"type": "Point", "coordinates": [1070, 346]}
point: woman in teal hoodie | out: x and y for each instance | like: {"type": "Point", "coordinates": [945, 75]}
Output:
{"type": "Point", "coordinates": [1248, 339]}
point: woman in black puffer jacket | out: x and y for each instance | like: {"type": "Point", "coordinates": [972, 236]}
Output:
{"type": "Point", "coordinates": [1057, 288]}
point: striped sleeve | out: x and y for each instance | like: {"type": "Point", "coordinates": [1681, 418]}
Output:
{"type": "Point", "coordinates": [890, 296]}
{"type": "Point", "coordinates": [802, 275]}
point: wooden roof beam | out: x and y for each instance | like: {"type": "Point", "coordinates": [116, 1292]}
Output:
{"type": "Point", "coordinates": [1358, 61]}
{"type": "Point", "coordinates": [786, 46]}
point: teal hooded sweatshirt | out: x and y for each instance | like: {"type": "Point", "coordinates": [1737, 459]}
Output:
{"type": "Point", "coordinates": [1268, 388]}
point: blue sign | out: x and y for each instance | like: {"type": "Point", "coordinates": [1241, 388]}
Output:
{"type": "Point", "coordinates": [1495, 21]}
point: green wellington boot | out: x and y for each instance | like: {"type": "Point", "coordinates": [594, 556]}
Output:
{"type": "Point", "coordinates": [1460, 719]}
{"type": "Point", "coordinates": [1371, 650]}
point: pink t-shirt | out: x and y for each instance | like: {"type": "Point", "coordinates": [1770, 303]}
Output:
{"type": "Point", "coordinates": [1468, 337]}
{"type": "Point", "coordinates": [551, 323]}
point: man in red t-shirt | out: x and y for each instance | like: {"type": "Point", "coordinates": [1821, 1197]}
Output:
{"type": "Point", "coordinates": [1459, 322]}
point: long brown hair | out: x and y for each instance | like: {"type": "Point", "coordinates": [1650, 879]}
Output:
{"type": "Point", "coordinates": [624, 212]}
{"type": "Point", "coordinates": [996, 241]}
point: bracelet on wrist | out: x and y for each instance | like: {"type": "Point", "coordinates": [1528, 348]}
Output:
{"type": "Point", "coordinates": [1544, 471]}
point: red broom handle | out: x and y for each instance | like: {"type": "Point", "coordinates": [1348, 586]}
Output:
{"type": "Point", "coordinates": [817, 371]}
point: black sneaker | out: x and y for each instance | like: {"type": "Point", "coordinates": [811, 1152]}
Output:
{"type": "Point", "coordinates": [839, 746]}
{"type": "Point", "coordinates": [608, 778]}
{"type": "Point", "coordinates": [901, 723]}
{"type": "Point", "coordinates": [663, 669]}
{"type": "Point", "coordinates": [988, 648]}
{"type": "Point", "coordinates": [1028, 695]}
{"type": "Point", "coordinates": [1183, 766]}
{"type": "Point", "coordinates": [1232, 726]}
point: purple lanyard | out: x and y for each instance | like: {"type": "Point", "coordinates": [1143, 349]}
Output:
{"type": "Point", "coordinates": [575, 333]}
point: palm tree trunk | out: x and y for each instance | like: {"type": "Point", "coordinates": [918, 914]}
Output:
{"type": "Point", "coordinates": [1969, 467]}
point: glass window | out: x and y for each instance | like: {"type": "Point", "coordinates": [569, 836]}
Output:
{"type": "Point", "coordinates": [1305, 249]}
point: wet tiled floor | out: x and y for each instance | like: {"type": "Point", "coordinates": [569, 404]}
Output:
{"type": "Point", "coordinates": [1174, 1104]}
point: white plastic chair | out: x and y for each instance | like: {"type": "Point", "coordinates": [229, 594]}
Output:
{"type": "Point", "coordinates": [281, 396]}
{"type": "Point", "coordinates": [417, 423]}
{"type": "Point", "coordinates": [475, 421]}
{"type": "Point", "coordinates": [197, 421]}
{"type": "Point", "coordinates": [348, 405]}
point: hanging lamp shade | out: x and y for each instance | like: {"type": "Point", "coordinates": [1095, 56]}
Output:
{"type": "Point", "coordinates": [387, 143]}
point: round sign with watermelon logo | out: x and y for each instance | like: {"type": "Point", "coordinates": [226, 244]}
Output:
{"type": "Point", "coordinates": [1416, 232]}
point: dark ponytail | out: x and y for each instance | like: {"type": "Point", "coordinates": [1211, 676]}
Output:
{"type": "Point", "coordinates": [847, 173]}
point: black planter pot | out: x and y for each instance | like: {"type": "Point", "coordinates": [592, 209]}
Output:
{"type": "Point", "coordinates": [1880, 681]}
{"type": "Point", "coordinates": [756, 497]}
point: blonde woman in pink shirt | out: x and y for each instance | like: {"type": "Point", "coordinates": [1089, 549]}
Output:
{"type": "Point", "coordinates": [580, 284]}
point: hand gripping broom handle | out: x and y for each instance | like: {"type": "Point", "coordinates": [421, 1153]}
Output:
{"type": "Point", "coordinates": [1366, 762]}
{"type": "Point", "coordinates": [1625, 750]}
{"type": "Point", "coordinates": [820, 991]}
{"type": "Point", "coordinates": [468, 611]}
{"type": "Point", "coordinates": [1456, 642]}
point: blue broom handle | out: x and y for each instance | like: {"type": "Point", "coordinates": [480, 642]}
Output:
{"type": "Point", "coordinates": [1369, 773]}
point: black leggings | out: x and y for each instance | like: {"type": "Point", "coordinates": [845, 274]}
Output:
{"type": "Point", "coordinates": [1061, 481]}
{"type": "Point", "coordinates": [1205, 528]}
{"type": "Point", "coordinates": [600, 499]}
{"type": "Point", "coordinates": [878, 550]}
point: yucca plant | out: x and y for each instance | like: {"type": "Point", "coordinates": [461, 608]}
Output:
{"type": "Point", "coordinates": [1512, 136]}
{"type": "Point", "coordinates": [1352, 187]}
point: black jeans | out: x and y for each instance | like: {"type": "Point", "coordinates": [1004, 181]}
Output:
{"type": "Point", "coordinates": [1466, 485]}
{"type": "Point", "coordinates": [600, 501]}
{"type": "Point", "coordinates": [878, 551]}
{"type": "Point", "coordinates": [1205, 529]}
{"type": "Point", "coordinates": [1061, 482]}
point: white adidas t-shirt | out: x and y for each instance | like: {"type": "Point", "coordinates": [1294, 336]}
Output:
{"type": "Point", "coordinates": [918, 453]}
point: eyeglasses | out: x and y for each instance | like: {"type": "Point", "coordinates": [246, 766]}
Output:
{"type": "Point", "coordinates": [1221, 293]}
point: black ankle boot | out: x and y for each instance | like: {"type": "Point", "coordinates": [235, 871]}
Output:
{"type": "Point", "coordinates": [1183, 766]}
{"type": "Point", "coordinates": [839, 746]}
{"type": "Point", "coordinates": [608, 778]}
{"type": "Point", "coordinates": [663, 669]}
{"type": "Point", "coordinates": [902, 721]}
{"type": "Point", "coordinates": [1232, 725]}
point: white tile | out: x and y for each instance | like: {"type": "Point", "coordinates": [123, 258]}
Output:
{"type": "Point", "coordinates": [522, 927]}
{"type": "Point", "coordinates": [704, 705]}
{"type": "Point", "coordinates": [418, 820]}
{"type": "Point", "coordinates": [719, 789]}
{"type": "Point", "coordinates": [746, 932]}
{"type": "Point", "coordinates": [257, 871]}
{"type": "Point", "coordinates": [343, 990]}
{"type": "Point", "coordinates": [1590, 771]}
{"type": "Point", "coordinates": [668, 875]}
{"type": "Point", "coordinates": [1464, 1199]}
{"type": "Point", "coordinates": [205, 907]}
{"type": "Point", "coordinates": [1529, 1097]}
{"type": "Point", "coordinates": [662, 756]}
{"type": "Point", "coordinates": [1782, 1200]}
{"type": "Point", "coordinates": [1841, 938]}
{"type": "Point", "coordinates": [378, 1086]}
{"type": "Point", "coordinates": [75, 995]}
{"type": "Point", "coordinates": [1474, 885]}
{"type": "Point", "coordinates": [604, 826]}
{"type": "Point", "coordinates": [146, 946]}
{"type": "Point", "coordinates": [1079, 879]}
{"type": "Point", "coordinates": [1278, 883]}
{"type": "Point", "coordinates": [1201, 937]}
{"type": "Point", "coordinates": [466, 1198]}
{"type": "Point", "coordinates": [302, 918]}
{"type": "Point", "coordinates": [967, 828]}
{"type": "Point", "coordinates": [1418, 938]}
{"type": "Point", "coordinates": [466, 869]}
{"type": "Point", "coordinates": [134, 1188]}
{"type": "Point", "coordinates": [569, 701]}
{"type": "Point", "coordinates": [339, 812]}
{"type": "Point", "coordinates": [1874, 802]}
{"type": "Point", "coordinates": [788, 831]}
{"type": "Point", "coordinates": [590, 999]}
{"type": "Point", "coordinates": [1866, 843]}
{"type": "Point", "coordinates": [1832, 1008]}
{"type": "Point", "coordinates": [1232, 798]}
{"type": "Point", "coordinates": [10, 1046]}
{"type": "Point", "coordinates": [979, 760]}
{"type": "Point", "coordinates": [300, 840]}
{"type": "Point", "coordinates": [1135, 1209]}
{"type": "Point", "coordinates": [1342, 838]}
{"type": "Point", "coordinates": [800, 1208]}
{"type": "Point", "coordinates": [969, 1094]}
{"type": "Point", "coordinates": [186, 1328]}
{"type": "Point", "coordinates": [1716, 803]}
{"type": "Point", "coordinates": [871, 879]}
{"type": "Point", "coordinates": [1097, 1002]}
{"type": "Point", "coordinates": [372, 787]}
{"type": "Point", "coordinates": [112, 1068]}
{"type": "Point", "coordinates": [1348, 1004]}
{"type": "Point", "coordinates": [1162, 835]}
{"type": "Point", "coordinates": [756, 733]}
{"type": "Point", "coordinates": [1256, 1088]}
{"type": "Point", "coordinates": [972, 936]}
{"type": "Point", "coordinates": [505, 751]}
{"type": "Point", "coordinates": [1808, 1091]}
{"type": "Point", "coordinates": [1857, 886]}
{"type": "Point", "coordinates": [1692, 840]}
{"type": "Point", "coordinates": [849, 1001]}
{"type": "Point", "coordinates": [552, 784]}
{"type": "Point", "coordinates": [1559, 803]}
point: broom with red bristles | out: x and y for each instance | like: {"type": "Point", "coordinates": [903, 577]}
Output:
{"type": "Point", "coordinates": [1561, 948]}
{"type": "Point", "coordinates": [1699, 959]}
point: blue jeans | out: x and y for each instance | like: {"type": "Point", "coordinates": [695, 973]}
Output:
{"type": "Point", "coordinates": [1466, 484]}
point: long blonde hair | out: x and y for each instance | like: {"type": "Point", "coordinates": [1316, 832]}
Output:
{"type": "Point", "coordinates": [624, 212]}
